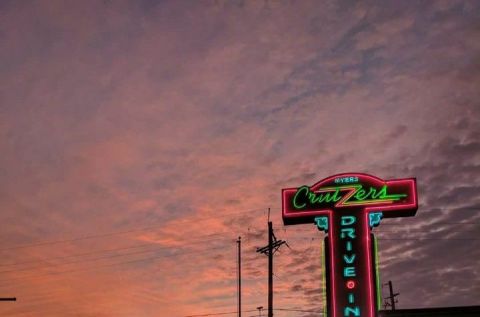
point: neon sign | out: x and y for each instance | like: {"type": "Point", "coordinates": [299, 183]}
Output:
{"type": "Point", "coordinates": [346, 207]}
{"type": "Point", "coordinates": [354, 195]}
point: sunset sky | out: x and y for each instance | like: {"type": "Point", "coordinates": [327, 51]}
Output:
{"type": "Point", "coordinates": [139, 139]}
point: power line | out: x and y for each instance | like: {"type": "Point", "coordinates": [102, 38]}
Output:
{"type": "Point", "coordinates": [177, 253]}
{"type": "Point", "coordinates": [435, 239]}
{"type": "Point", "coordinates": [115, 249]}
{"type": "Point", "coordinates": [46, 296]}
{"type": "Point", "coordinates": [76, 255]}
{"type": "Point", "coordinates": [107, 265]}
{"type": "Point", "coordinates": [87, 260]}
{"type": "Point", "coordinates": [37, 276]}
{"type": "Point", "coordinates": [221, 237]}
{"type": "Point", "coordinates": [406, 239]}
{"type": "Point", "coordinates": [254, 310]}
{"type": "Point", "coordinates": [222, 313]}
{"type": "Point", "coordinates": [434, 223]}
{"type": "Point", "coordinates": [299, 310]}
{"type": "Point", "coordinates": [87, 237]}
{"type": "Point", "coordinates": [401, 225]}
{"type": "Point", "coordinates": [181, 220]}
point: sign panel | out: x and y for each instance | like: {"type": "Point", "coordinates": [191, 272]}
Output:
{"type": "Point", "coordinates": [346, 206]}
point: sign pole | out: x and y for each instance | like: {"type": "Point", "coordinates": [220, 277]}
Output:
{"type": "Point", "coordinates": [346, 207]}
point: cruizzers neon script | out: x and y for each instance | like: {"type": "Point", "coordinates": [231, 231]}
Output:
{"type": "Point", "coordinates": [347, 206]}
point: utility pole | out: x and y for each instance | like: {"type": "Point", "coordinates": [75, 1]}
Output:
{"type": "Point", "coordinates": [269, 250]}
{"type": "Point", "coordinates": [270, 269]}
{"type": "Point", "coordinates": [239, 243]}
{"type": "Point", "coordinates": [391, 297]}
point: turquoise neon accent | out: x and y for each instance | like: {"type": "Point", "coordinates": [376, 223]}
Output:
{"type": "Point", "coordinates": [346, 180]}
{"type": "Point", "coordinates": [347, 232]}
{"type": "Point", "coordinates": [354, 310]}
{"type": "Point", "coordinates": [322, 223]}
{"type": "Point", "coordinates": [349, 271]}
{"type": "Point", "coordinates": [349, 258]}
{"type": "Point", "coordinates": [374, 219]}
{"type": "Point", "coordinates": [348, 220]}
{"type": "Point", "coordinates": [349, 245]}
{"type": "Point", "coordinates": [351, 298]}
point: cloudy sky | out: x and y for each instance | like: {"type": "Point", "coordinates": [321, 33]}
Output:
{"type": "Point", "coordinates": [139, 139]}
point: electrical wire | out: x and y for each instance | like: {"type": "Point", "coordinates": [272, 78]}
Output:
{"type": "Point", "coordinates": [102, 257]}
{"type": "Point", "coordinates": [406, 239]}
{"type": "Point", "coordinates": [254, 310]}
{"type": "Point", "coordinates": [107, 265]}
{"type": "Point", "coordinates": [222, 313]}
{"type": "Point", "coordinates": [87, 237]}
{"type": "Point", "coordinates": [117, 249]}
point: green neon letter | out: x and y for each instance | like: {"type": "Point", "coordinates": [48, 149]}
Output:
{"type": "Point", "coordinates": [349, 259]}
{"type": "Point", "coordinates": [360, 194]}
{"type": "Point", "coordinates": [382, 193]}
{"type": "Point", "coordinates": [351, 310]}
{"type": "Point", "coordinates": [330, 197]}
{"type": "Point", "coordinates": [349, 271]}
{"type": "Point", "coordinates": [295, 202]}
{"type": "Point", "coordinates": [335, 195]}
{"type": "Point", "coordinates": [372, 192]}
{"type": "Point", "coordinates": [348, 220]}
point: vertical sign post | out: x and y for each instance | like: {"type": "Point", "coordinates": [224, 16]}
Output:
{"type": "Point", "coordinates": [347, 206]}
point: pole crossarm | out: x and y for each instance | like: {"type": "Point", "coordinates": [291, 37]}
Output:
{"type": "Point", "coordinates": [8, 299]}
{"type": "Point", "coordinates": [276, 245]}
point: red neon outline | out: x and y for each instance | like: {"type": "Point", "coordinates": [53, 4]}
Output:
{"type": "Point", "coordinates": [369, 266]}
{"type": "Point", "coordinates": [286, 214]}
{"type": "Point", "coordinates": [373, 178]}
{"type": "Point", "coordinates": [366, 210]}
{"type": "Point", "coordinates": [332, 266]}
{"type": "Point", "coordinates": [370, 305]}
